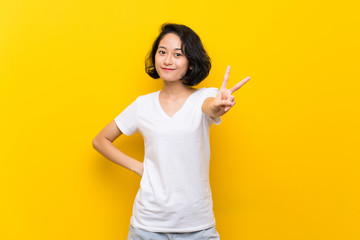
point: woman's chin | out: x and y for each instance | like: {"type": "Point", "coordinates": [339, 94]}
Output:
{"type": "Point", "coordinates": [165, 79]}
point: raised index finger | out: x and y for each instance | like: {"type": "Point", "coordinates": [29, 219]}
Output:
{"type": "Point", "coordinates": [226, 77]}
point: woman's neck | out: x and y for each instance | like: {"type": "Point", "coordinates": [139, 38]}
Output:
{"type": "Point", "coordinates": [176, 89]}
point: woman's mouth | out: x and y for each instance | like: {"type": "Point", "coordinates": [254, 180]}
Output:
{"type": "Point", "coordinates": [168, 69]}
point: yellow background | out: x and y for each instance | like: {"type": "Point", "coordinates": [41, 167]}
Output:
{"type": "Point", "coordinates": [285, 160]}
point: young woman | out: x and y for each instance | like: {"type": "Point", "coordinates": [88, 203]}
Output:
{"type": "Point", "coordinates": [174, 198]}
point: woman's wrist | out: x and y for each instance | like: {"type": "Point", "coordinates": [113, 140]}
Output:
{"type": "Point", "coordinates": [214, 110]}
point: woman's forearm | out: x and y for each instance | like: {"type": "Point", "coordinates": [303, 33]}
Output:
{"type": "Point", "coordinates": [109, 151]}
{"type": "Point", "coordinates": [210, 109]}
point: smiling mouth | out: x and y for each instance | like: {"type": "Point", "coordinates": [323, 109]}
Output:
{"type": "Point", "coordinates": [168, 69]}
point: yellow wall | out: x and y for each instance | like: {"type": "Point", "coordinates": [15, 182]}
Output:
{"type": "Point", "coordinates": [285, 160]}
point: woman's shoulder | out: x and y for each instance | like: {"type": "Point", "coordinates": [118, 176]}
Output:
{"type": "Point", "coordinates": [147, 97]}
{"type": "Point", "coordinates": [208, 91]}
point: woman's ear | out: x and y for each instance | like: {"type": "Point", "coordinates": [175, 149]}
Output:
{"type": "Point", "coordinates": [190, 67]}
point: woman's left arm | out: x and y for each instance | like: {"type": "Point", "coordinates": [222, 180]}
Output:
{"type": "Point", "coordinates": [224, 100]}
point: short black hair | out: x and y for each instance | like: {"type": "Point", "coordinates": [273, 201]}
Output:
{"type": "Point", "coordinates": [192, 48]}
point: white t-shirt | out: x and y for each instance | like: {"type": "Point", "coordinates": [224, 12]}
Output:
{"type": "Point", "coordinates": [174, 193]}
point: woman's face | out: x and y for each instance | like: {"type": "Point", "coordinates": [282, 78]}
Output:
{"type": "Point", "coordinates": [170, 62]}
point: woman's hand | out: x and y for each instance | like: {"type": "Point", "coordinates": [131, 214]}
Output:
{"type": "Point", "coordinates": [224, 100]}
{"type": "Point", "coordinates": [140, 169]}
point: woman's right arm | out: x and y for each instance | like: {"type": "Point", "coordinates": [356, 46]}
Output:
{"type": "Point", "coordinates": [103, 143]}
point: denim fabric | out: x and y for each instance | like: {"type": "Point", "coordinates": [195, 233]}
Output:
{"type": "Point", "coordinates": [206, 234]}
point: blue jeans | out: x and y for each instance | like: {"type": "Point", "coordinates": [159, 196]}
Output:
{"type": "Point", "coordinates": [206, 234]}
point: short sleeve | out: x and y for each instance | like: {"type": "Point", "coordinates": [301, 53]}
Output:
{"type": "Point", "coordinates": [210, 92]}
{"type": "Point", "coordinates": [127, 119]}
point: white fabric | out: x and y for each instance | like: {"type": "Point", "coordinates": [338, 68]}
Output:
{"type": "Point", "coordinates": [174, 193]}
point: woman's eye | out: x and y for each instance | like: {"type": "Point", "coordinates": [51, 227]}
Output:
{"type": "Point", "coordinates": [178, 54]}
{"type": "Point", "coordinates": [162, 52]}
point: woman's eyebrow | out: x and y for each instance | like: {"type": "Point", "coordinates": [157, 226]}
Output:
{"type": "Point", "coordinates": [165, 48]}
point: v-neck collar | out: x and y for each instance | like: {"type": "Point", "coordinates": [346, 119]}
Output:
{"type": "Point", "coordinates": [157, 100]}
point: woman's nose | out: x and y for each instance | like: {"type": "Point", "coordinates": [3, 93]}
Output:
{"type": "Point", "coordinates": [168, 60]}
